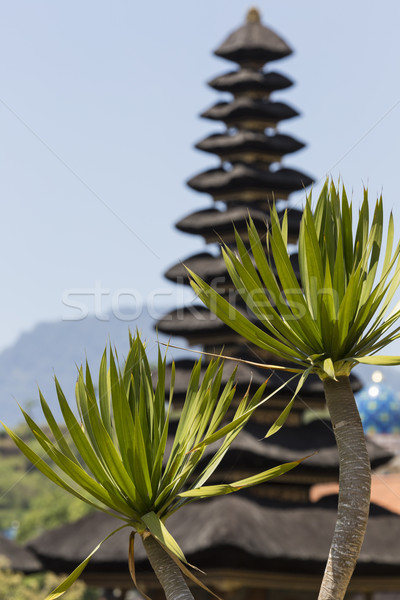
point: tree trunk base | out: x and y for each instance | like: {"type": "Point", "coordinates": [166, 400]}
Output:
{"type": "Point", "coordinates": [167, 571]}
{"type": "Point", "coordinates": [354, 489]}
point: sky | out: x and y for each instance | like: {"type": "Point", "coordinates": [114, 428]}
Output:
{"type": "Point", "coordinates": [99, 112]}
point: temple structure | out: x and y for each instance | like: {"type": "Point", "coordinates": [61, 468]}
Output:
{"type": "Point", "coordinates": [250, 176]}
{"type": "Point", "coordinates": [269, 541]}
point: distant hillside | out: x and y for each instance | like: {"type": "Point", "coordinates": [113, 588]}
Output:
{"type": "Point", "coordinates": [57, 348]}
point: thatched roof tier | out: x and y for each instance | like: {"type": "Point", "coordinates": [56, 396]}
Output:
{"type": "Point", "coordinates": [250, 113]}
{"type": "Point", "coordinates": [207, 266]}
{"type": "Point", "coordinates": [311, 395]}
{"type": "Point", "coordinates": [259, 546]}
{"type": "Point", "coordinates": [18, 558]}
{"type": "Point", "coordinates": [237, 349]}
{"type": "Point", "coordinates": [249, 184]}
{"type": "Point", "coordinates": [214, 224]}
{"type": "Point", "coordinates": [212, 269]}
{"type": "Point", "coordinates": [315, 440]}
{"type": "Point", "coordinates": [196, 323]}
{"type": "Point", "coordinates": [199, 326]}
{"type": "Point", "coordinates": [253, 44]}
{"type": "Point", "coordinates": [249, 146]}
{"type": "Point", "coordinates": [61, 549]}
{"type": "Point", "coordinates": [251, 82]}
{"type": "Point", "coordinates": [250, 455]}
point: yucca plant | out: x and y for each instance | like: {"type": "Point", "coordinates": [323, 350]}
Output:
{"type": "Point", "coordinates": [112, 454]}
{"type": "Point", "coordinates": [335, 317]}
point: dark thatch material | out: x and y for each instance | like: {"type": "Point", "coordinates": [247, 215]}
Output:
{"type": "Point", "coordinates": [201, 327]}
{"type": "Point", "coordinates": [240, 349]}
{"type": "Point", "coordinates": [245, 374]}
{"type": "Point", "coordinates": [251, 454]}
{"type": "Point", "coordinates": [19, 558]}
{"type": "Point", "coordinates": [253, 45]}
{"type": "Point", "coordinates": [212, 269]}
{"type": "Point", "coordinates": [250, 81]}
{"type": "Point", "coordinates": [245, 110]}
{"type": "Point", "coordinates": [214, 224]}
{"type": "Point", "coordinates": [250, 143]}
{"type": "Point", "coordinates": [193, 318]}
{"type": "Point", "coordinates": [204, 264]}
{"type": "Point", "coordinates": [63, 548]}
{"type": "Point", "coordinates": [254, 454]}
{"type": "Point", "coordinates": [250, 375]}
{"type": "Point", "coordinates": [244, 182]}
{"type": "Point", "coordinates": [233, 533]}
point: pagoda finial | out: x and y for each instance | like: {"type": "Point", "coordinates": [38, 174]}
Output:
{"type": "Point", "coordinates": [253, 15]}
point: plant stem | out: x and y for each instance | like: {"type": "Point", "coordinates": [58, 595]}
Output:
{"type": "Point", "coordinates": [166, 570]}
{"type": "Point", "coordinates": [354, 489]}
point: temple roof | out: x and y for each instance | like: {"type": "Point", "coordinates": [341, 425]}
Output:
{"type": "Point", "coordinates": [19, 558]}
{"type": "Point", "coordinates": [230, 532]}
{"type": "Point", "coordinates": [312, 388]}
{"type": "Point", "coordinates": [196, 319]}
{"type": "Point", "coordinates": [245, 183]}
{"type": "Point", "coordinates": [253, 44]}
{"type": "Point", "coordinates": [315, 440]}
{"type": "Point", "coordinates": [214, 224]}
{"type": "Point", "coordinates": [249, 81]}
{"type": "Point", "coordinates": [250, 112]}
{"type": "Point", "coordinates": [256, 145]}
{"type": "Point", "coordinates": [209, 268]}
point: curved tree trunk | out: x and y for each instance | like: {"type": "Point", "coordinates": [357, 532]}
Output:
{"type": "Point", "coordinates": [354, 489]}
{"type": "Point", "coordinates": [166, 570]}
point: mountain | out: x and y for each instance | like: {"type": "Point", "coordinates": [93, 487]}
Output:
{"type": "Point", "coordinates": [58, 348]}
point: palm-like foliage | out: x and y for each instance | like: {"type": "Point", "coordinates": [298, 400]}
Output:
{"type": "Point", "coordinates": [335, 317]}
{"type": "Point", "coordinates": [114, 455]}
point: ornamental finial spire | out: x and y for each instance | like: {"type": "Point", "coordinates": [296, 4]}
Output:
{"type": "Point", "coordinates": [253, 15]}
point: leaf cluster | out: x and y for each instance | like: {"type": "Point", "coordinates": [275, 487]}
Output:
{"type": "Point", "coordinates": [335, 316]}
{"type": "Point", "coordinates": [112, 453]}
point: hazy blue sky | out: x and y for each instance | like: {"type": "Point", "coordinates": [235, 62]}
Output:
{"type": "Point", "coordinates": [99, 105]}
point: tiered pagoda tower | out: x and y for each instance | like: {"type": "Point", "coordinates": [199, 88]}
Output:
{"type": "Point", "coordinates": [269, 542]}
{"type": "Point", "coordinates": [249, 178]}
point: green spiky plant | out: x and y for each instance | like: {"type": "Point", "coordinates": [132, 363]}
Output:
{"type": "Point", "coordinates": [334, 318]}
{"type": "Point", "coordinates": [113, 456]}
